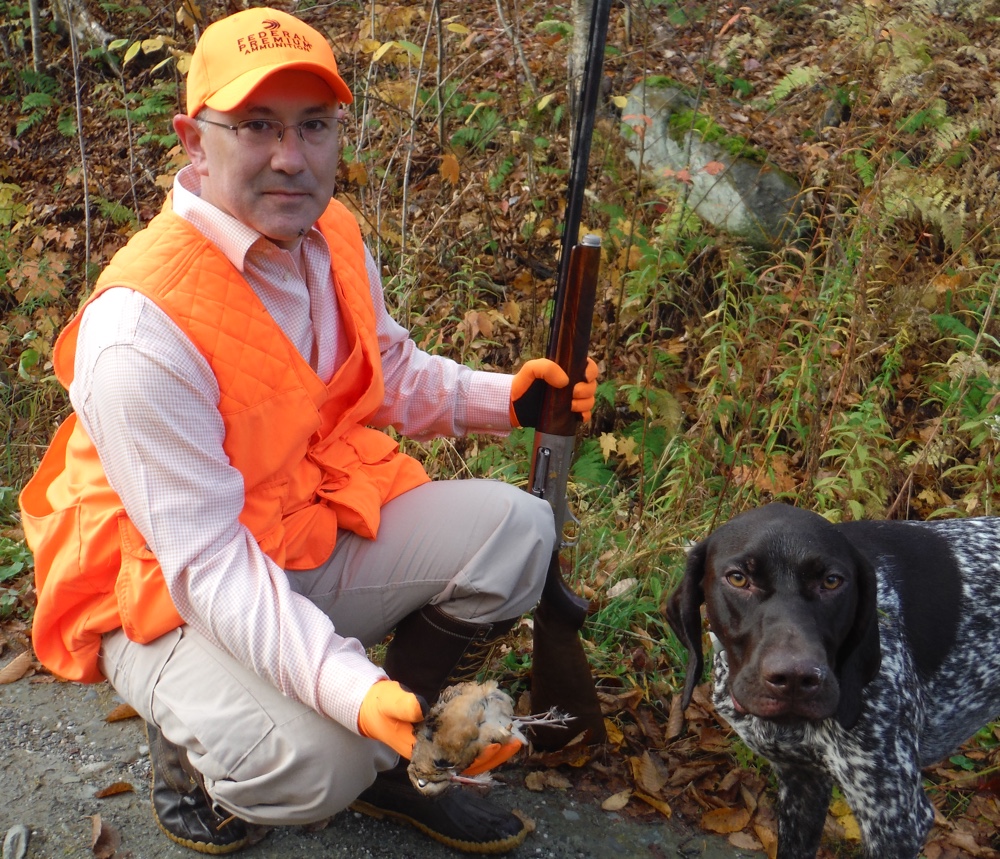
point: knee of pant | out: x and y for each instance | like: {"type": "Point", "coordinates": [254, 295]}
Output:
{"type": "Point", "coordinates": [528, 539]}
{"type": "Point", "coordinates": [309, 775]}
{"type": "Point", "coordinates": [329, 776]}
{"type": "Point", "coordinates": [538, 527]}
{"type": "Point", "coordinates": [528, 519]}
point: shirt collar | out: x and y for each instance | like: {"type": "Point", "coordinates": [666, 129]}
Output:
{"type": "Point", "coordinates": [231, 236]}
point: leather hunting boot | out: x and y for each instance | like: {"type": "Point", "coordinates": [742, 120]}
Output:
{"type": "Point", "coordinates": [431, 650]}
{"type": "Point", "coordinates": [428, 652]}
{"type": "Point", "coordinates": [182, 806]}
{"type": "Point", "coordinates": [458, 817]}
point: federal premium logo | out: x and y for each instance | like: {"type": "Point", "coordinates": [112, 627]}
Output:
{"type": "Point", "coordinates": [272, 36]}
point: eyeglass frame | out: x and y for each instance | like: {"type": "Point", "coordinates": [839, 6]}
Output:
{"type": "Point", "coordinates": [272, 122]}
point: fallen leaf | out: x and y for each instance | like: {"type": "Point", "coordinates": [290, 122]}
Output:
{"type": "Point", "coordinates": [609, 444]}
{"type": "Point", "coordinates": [121, 712]}
{"type": "Point", "coordinates": [725, 820]}
{"type": "Point", "coordinates": [648, 775]}
{"type": "Point", "coordinates": [744, 841]}
{"type": "Point", "coordinates": [615, 735]}
{"type": "Point", "coordinates": [105, 839]}
{"type": "Point", "coordinates": [842, 811]}
{"type": "Point", "coordinates": [661, 805]}
{"type": "Point", "coordinates": [619, 589]}
{"type": "Point", "coordinates": [626, 448]}
{"type": "Point", "coordinates": [675, 721]}
{"type": "Point", "coordinates": [449, 168]}
{"type": "Point", "coordinates": [114, 789]}
{"type": "Point", "coordinates": [357, 173]}
{"type": "Point", "coordinates": [617, 801]}
{"type": "Point", "coordinates": [729, 23]}
{"type": "Point", "coordinates": [16, 668]}
{"type": "Point", "coordinates": [768, 837]}
{"type": "Point", "coordinates": [538, 780]}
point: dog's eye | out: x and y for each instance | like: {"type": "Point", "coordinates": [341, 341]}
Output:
{"type": "Point", "coordinates": [738, 579]}
{"type": "Point", "coordinates": [832, 581]}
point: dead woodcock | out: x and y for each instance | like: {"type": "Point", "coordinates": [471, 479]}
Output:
{"type": "Point", "coordinates": [466, 719]}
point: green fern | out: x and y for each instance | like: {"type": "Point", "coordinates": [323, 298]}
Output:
{"type": "Point", "coordinates": [118, 214]}
{"type": "Point", "coordinates": [911, 193]}
{"type": "Point", "coordinates": [802, 77]}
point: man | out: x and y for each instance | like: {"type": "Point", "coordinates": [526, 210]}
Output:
{"type": "Point", "coordinates": [218, 529]}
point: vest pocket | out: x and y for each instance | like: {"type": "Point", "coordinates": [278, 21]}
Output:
{"type": "Point", "coordinates": [75, 604]}
{"type": "Point", "coordinates": [371, 445]}
{"type": "Point", "coordinates": [53, 536]}
{"type": "Point", "coordinates": [145, 606]}
{"type": "Point", "coordinates": [263, 512]}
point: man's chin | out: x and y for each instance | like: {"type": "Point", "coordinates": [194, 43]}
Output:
{"type": "Point", "coordinates": [286, 238]}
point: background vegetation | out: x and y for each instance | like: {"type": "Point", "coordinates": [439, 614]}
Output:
{"type": "Point", "coordinates": [853, 373]}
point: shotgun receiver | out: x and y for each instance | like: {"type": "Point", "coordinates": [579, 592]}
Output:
{"type": "Point", "coordinates": [560, 675]}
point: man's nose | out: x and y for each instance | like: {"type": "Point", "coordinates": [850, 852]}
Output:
{"type": "Point", "coordinates": [288, 153]}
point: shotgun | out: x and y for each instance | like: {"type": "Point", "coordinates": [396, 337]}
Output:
{"type": "Point", "coordinates": [560, 674]}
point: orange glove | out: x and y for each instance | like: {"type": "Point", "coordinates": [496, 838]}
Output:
{"type": "Point", "coordinates": [585, 392]}
{"type": "Point", "coordinates": [387, 714]}
{"type": "Point", "coordinates": [493, 755]}
{"type": "Point", "coordinates": [527, 389]}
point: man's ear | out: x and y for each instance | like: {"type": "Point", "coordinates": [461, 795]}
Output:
{"type": "Point", "coordinates": [189, 131]}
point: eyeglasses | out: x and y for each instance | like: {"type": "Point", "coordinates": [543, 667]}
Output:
{"type": "Point", "coordinates": [264, 132]}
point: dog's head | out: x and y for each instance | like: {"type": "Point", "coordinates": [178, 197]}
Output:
{"type": "Point", "coordinates": [793, 603]}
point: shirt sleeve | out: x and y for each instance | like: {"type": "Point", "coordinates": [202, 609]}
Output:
{"type": "Point", "coordinates": [430, 395]}
{"type": "Point", "coordinates": [148, 400]}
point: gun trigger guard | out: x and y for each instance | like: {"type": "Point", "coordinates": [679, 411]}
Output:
{"type": "Point", "coordinates": [570, 543]}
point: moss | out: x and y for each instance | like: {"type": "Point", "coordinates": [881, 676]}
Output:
{"type": "Point", "coordinates": [683, 121]}
{"type": "Point", "coordinates": [665, 82]}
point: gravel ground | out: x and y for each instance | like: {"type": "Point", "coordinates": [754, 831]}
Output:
{"type": "Point", "coordinates": [60, 751]}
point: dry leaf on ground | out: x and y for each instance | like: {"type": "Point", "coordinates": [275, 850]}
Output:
{"type": "Point", "coordinates": [122, 711]}
{"type": "Point", "coordinates": [617, 801]}
{"type": "Point", "coordinates": [725, 820]}
{"type": "Point", "coordinates": [16, 668]}
{"type": "Point", "coordinates": [105, 839]}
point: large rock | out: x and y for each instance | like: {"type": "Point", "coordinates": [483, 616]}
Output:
{"type": "Point", "coordinates": [744, 196]}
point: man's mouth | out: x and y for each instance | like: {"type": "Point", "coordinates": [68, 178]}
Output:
{"type": "Point", "coordinates": [285, 192]}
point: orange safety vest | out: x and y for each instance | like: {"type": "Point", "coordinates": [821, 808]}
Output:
{"type": "Point", "coordinates": [310, 464]}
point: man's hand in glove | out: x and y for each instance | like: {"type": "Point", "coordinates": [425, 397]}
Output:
{"type": "Point", "coordinates": [528, 387]}
{"type": "Point", "coordinates": [388, 714]}
{"type": "Point", "coordinates": [493, 755]}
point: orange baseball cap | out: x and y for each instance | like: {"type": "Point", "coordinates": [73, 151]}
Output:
{"type": "Point", "coordinates": [235, 54]}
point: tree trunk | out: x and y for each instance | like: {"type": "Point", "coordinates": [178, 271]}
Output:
{"type": "Point", "coordinates": [577, 60]}
{"type": "Point", "coordinates": [75, 14]}
{"type": "Point", "coordinates": [37, 60]}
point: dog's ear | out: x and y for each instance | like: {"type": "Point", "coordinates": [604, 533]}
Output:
{"type": "Point", "coordinates": [860, 655]}
{"type": "Point", "coordinates": [683, 611]}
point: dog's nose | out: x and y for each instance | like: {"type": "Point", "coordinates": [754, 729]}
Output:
{"type": "Point", "coordinates": [792, 677]}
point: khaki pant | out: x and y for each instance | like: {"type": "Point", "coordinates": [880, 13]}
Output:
{"type": "Point", "coordinates": [478, 549]}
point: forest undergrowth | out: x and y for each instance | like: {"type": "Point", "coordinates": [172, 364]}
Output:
{"type": "Point", "coordinates": [853, 372]}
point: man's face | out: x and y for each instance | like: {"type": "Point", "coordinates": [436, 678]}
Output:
{"type": "Point", "coordinates": [278, 188]}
